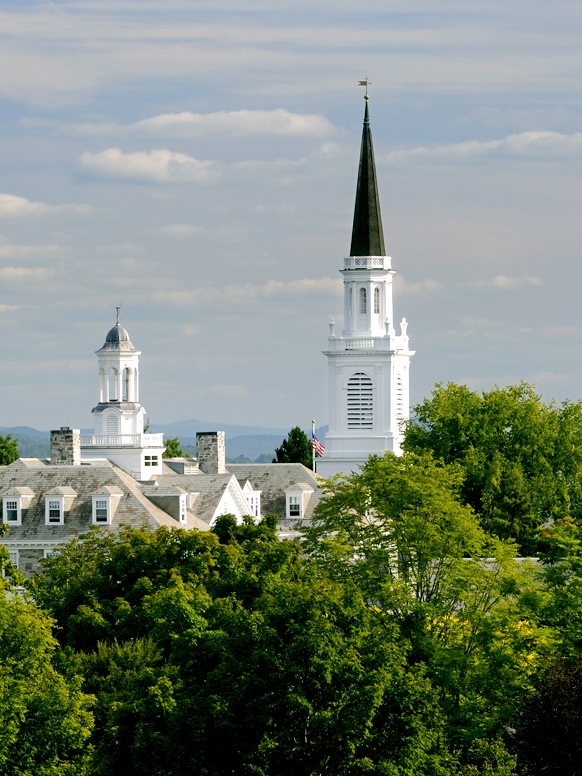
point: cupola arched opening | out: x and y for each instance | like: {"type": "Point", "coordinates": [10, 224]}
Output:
{"type": "Point", "coordinates": [360, 401]}
{"type": "Point", "coordinates": [377, 300]}
{"type": "Point", "coordinates": [113, 385]}
{"type": "Point", "coordinates": [363, 301]}
{"type": "Point", "coordinates": [125, 385]}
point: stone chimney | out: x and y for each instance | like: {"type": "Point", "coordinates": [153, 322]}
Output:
{"type": "Point", "coordinates": [66, 446]}
{"type": "Point", "coordinates": [211, 452]}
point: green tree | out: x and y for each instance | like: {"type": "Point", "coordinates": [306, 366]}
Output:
{"type": "Point", "coordinates": [400, 533]}
{"type": "Point", "coordinates": [8, 450]}
{"type": "Point", "coordinates": [521, 458]}
{"type": "Point", "coordinates": [174, 449]}
{"type": "Point", "coordinates": [189, 640]}
{"type": "Point", "coordinates": [45, 720]}
{"type": "Point", "coordinates": [295, 449]}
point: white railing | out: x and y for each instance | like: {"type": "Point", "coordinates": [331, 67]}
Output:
{"type": "Point", "coordinates": [366, 262]}
{"type": "Point", "coordinates": [359, 344]}
{"type": "Point", "coordinates": [122, 440]}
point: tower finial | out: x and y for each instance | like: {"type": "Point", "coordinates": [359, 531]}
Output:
{"type": "Point", "coordinates": [365, 83]}
{"type": "Point", "coordinates": [118, 309]}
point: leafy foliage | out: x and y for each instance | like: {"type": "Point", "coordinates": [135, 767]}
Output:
{"type": "Point", "coordinates": [45, 720]}
{"type": "Point", "coordinates": [295, 449]}
{"type": "Point", "coordinates": [399, 533]}
{"type": "Point", "coordinates": [8, 450]}
{"type": "Point", "coordinates": [174, 449]}
{"type": "Point", "coordinates": [521, 458]}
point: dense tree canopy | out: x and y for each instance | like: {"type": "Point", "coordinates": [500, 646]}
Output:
{"type": "Point", "coordinates": [295, 449]}
{"type": "Point", "coordinates": [174, 449]}
{"type": "Point", "coordinates": [521, 458]}
{"type": "Point", "coordinates": [8, 449]}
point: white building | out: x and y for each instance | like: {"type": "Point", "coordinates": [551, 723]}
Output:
{"type": "Point", "coordinates": [368, 363]}
{"type": "Point", "coordinates": [119, 417]}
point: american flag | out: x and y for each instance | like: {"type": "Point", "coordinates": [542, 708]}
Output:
{"type": "Point", "coordinates": [317, 446]}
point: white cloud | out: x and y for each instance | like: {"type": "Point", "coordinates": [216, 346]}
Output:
{"type": "Point", "coordinates": [12, 206]}
{"type": "Point", "coordinates": [159, 165]}
{"type": "Point", "coordinates": [36, 274]}
{"type": "Point", "coordinates": [187, 124]}
{"type": "Point", "coordinates": [402, 286]}
{"type": "Point", "coordinates": [507, 283]}
{"type": "Point", "coordinates": [522, 145]}
{"type": "Point", "coordinates": [248, 292]}
{"type": "Point", "coordinates": [179, 230]}
{"type": "Point", "coordinates": [11, 251]}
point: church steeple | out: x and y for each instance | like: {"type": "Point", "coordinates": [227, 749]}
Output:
{"type": "Point", "coordinates": [367, 233]}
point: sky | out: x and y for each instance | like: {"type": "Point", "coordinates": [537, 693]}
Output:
{"type": "Point", "coordinates": [197, 162]}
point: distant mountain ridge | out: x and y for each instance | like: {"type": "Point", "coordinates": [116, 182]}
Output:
{"type": "Point", "coordinates": [252, 442]}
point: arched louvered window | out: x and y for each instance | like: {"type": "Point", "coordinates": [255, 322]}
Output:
{"type": "Point", "coordinates": [111, 426]}
{"type": "Point", "coordinates": [360, 401]}
{"type": "Point", "coordinates": [377, 300]}
{"type": "Point", "coordinates": [363, 302]}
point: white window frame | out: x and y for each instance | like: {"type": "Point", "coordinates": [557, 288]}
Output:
{"type": "Point", "coordinates": [376, 300]}
{"type": "Point", "coordinates": [151, 460]}
{"type": "Point", "coordinates": [363, 301]}
{"type": "Point", "coordinates": [50, 553]}
{"type": "Point", "coordinates": [5, 501]}
{"type": "Point", "coordinates": [183, 508]}
{"type": "Point", "coordinates": [14, 557]}
{"type": "Point", "coordinates": [295, 500]}
{"type": "Point", "coordinates": [101, 499]}
{"type": "Point", "coordinates": [49, 500]}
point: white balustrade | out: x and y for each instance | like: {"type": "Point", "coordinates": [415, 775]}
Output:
{"type": "Point", "coordinates": [122, 440]}
{"type": "Point", "coordinates": [365, 262]}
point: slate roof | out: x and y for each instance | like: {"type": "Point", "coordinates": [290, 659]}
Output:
{"type": "Point", "coordinates": [210, 488]}
{"type": "Point", "coordinates": [133, 509]}
{"type": "Point", "coordinates": [273, 479]}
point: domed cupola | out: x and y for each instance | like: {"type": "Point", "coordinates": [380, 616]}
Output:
{"type": "Point", "coordinates": [118, 339]}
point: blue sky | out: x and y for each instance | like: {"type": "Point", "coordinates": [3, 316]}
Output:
{"type": "Point", "coordinates": [198, 160]}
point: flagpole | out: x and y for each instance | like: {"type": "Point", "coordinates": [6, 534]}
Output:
{"type": "Point", "coordinates": [312, 447]}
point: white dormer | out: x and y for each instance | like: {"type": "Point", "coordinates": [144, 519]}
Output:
{"type": "Point", "coordinates": [296, 499]}
{"type": "Point", "coordinates": [14, 502]}
{"type": "Point", "coordinates": [253, 498]}
{"type": "Point", "coordinates": [57, 502]}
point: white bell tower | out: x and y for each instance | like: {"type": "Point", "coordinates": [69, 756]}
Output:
{"type": "Point", "coordinates": [119, 417]}
{"type": "Point", "coordinates": [368, 362]}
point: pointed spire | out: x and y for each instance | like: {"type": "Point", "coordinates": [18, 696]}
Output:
{"type": "Point", "coordinates": [367, 234]}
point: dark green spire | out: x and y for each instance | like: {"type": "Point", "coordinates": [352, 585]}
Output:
{"type": "Point", "coordinates": [367, 234]}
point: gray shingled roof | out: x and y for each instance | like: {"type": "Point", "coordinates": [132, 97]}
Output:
{"type": "Point", "coordinates": [210, 488]}
{"type": "Point", "coordinates": [134, 508]}
{"type": "Point", "coordinates": [273, 479]}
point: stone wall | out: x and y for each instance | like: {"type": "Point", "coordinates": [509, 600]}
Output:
{"type": "Point", "coordinates": [211, 452]}
{"type": "Point", "coordinates": [66, 446]}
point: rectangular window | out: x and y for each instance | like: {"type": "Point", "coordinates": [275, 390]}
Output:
{"type": "Point", "coordinates": [183, 508]}
{"type": "Point", "coordinates": [54, 511]}
{"type": "Point", "coordinates": [101, 511]}
{"type": "Point", "coordinates": [294, 506]}
{"type": "Point", "coordinates": [14, 557]}
{"type": "Point", "coordinates": [11, 511]}
{"type": "Point", "coordinates": [50, 553]}
{"type": "Point", "coordinates": [151, 460]}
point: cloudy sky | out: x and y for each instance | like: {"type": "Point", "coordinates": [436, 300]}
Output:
{"type": "Point", "coordinates": [197, 161]}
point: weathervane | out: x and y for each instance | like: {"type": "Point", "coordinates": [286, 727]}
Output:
{"type": "Point", "coordinates": [365, 83]}
{"type": "Point", "coordinates": [118, 309]}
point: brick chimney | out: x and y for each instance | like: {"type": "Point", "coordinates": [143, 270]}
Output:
{"type": "Point", "coordinates": [211, 452]}
{"type": "Point", "coordinates": [66, 446]}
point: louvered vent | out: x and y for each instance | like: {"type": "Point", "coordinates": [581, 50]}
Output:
{"type": "Point", "coordinates": [111, 427]}
{"type": "Point", "coordinates": [399, 397]}
{"type": "Point", "coordinates": [360, 401]}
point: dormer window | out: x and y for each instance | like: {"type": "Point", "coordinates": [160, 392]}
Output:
{"type": "Point", "coordinates": [12, 511]}
{"type": "Point", "coordinates": [54, 512]}
{"type": "Point", "coordinates": [14, 501]}
{"type": "Point", "coordinates": [363, 302]}
{"type": "Point", "coordinates": [100, 511]}
{"type": "Point", "coordinates": [294, 506]}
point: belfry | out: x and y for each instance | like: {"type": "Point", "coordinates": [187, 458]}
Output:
{"type": "Point", "coordinates": [368, 363]}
